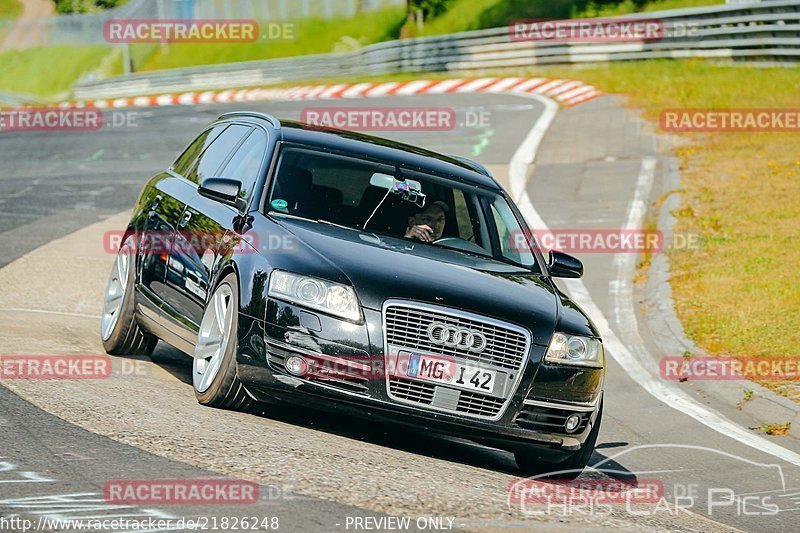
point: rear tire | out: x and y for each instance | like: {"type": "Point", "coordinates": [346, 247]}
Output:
{"type": "Point", "coordinates": [529, 464]}
{"type": "Point", "coordinates": [119, 328]}
{"type": "Point", "coordinates": [214, 367]}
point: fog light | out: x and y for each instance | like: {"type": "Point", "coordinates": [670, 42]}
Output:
{"type": "Point", "coordinates": [572, 423]}
{"type": "Point", "coordinates": [296, 365]}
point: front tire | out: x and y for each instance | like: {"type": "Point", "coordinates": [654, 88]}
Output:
{"type": "Point", "coordinates": [214, 367]}
{"type": "Point", "coordinates": [119, 328]}
{"type": "Point", "coordinates": [570, 468]}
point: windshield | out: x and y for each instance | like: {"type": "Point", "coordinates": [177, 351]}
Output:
{"type": "Point", "coordinates": [384, 199]}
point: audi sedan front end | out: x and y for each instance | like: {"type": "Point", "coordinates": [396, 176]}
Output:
{"type": "Point", "coordinates": [365, 276]}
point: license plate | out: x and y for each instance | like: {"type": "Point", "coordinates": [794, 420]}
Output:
{"type": "Point", "coordinates": [441, 370]}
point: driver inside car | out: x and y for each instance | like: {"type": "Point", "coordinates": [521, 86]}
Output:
{"type": "Point", "coordinates": [427, 224]}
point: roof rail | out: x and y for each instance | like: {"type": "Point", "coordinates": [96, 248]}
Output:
{"type": "Point", "coordinates": [274, 121]}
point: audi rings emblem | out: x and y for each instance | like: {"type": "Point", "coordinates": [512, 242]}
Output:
{"type": "Point", "coordinates": [456, 337]}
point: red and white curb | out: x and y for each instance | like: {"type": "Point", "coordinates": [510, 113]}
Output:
{"type": "Point", "coordinates": [567, 92]}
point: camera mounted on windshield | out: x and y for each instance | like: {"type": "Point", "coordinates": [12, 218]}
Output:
{"type": "Point", "coordinates": [409, 190]}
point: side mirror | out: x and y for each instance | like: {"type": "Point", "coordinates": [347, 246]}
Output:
{"type": "Point", "coordinates": [224, 190]}
{"type": "Point", "coordinates": [563, 265]}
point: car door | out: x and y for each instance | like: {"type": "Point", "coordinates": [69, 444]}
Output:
{"type": "Point", "coordinates": [164, 198]}
{"type": "Point", "coordinates": [199, 234]}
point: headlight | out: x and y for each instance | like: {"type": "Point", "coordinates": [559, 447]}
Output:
{"type": "Point", "coordinates": [316, 293]}
{"type": "Point", "coordinates": [574, 350]}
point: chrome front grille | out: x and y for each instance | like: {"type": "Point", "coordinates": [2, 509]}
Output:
{"type": "Point", "coordinates": [406, 329]}
{"type": "Point", "coordinates": [413, 391]}
{"type": "Point", "coordinates": [407, 326]}
{"type": "Point", "coordinates": [479, 404]}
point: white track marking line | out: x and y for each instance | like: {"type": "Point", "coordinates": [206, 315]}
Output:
{"type": "Point", "coordinates": [45, 312]}
{"type": "Point", "coordinates": [668, 395]}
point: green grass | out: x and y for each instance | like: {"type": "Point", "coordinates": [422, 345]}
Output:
{"type": "Point", "coordinates": [658, 5]}
{"type": "Point", "coordinates": [312, 36]}
{"type": "Point", "coordinates": [49, 72]}
{"type": "Point", "coordinates": [627, 7]}
{"type": "Point", "coordinates": [10, 9]}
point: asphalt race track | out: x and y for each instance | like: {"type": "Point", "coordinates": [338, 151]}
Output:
{"type": "Point", "coordinates": [595, 167]}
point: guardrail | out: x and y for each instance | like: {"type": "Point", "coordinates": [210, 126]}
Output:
{"type": "Point", "coordinates": [767, 30]}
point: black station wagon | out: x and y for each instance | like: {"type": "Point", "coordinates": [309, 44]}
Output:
{"type": "Point", "coordinates": [344, 271]}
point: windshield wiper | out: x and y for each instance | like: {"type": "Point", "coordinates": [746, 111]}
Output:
{"type": "Point", "coordinates": [334, 224]}
{"type": "Point", "coordinates": [319, 220]}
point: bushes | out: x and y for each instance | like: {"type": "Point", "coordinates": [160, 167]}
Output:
{"type": "Point", "coordinates": [85, 6]}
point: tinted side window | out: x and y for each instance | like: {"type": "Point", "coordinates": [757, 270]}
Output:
{"type": "Point", "coordinates": [210, 161]}
{"type": "Point", "coordinates": [188, 157]}
{"type": "Point", "coordinates": [246, 162]}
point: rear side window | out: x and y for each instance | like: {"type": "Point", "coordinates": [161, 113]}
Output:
{"type": "Point", "coordinates": [189, 156]}
{"type": "Point", "coordinates": [211, 160]}
{"type": "Point", "coordinates": [246, 162]}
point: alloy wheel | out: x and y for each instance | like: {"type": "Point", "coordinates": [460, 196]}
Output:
{"type": "Point", "coordinates": [115, 290]}
{"type": "Point", "coordinates": [213, 338]}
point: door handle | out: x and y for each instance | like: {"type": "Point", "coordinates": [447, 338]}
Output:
{"type": "Point", "coordinates": [156, 202]}
{"type": "Point", "coordinates": [185, 220]}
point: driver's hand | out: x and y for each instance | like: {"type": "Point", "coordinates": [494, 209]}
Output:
{"type": "Point", "coordinates": [422, 232]}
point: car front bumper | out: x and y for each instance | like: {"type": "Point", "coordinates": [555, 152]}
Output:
{"type": "Point", "coordinates": [544, 395]}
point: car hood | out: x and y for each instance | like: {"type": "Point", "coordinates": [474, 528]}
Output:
{"type": "Point", "coordinates": [381, 267]}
